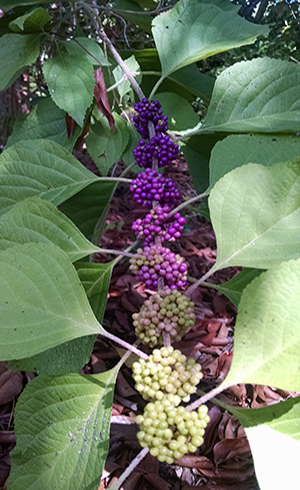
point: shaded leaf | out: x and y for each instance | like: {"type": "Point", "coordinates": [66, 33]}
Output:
{"type": "Point", "coordinates": [142, 20]}
{"type": "Point", "coordinates": [42, 302]}
{"type": "Point", "coordinates": [234, 288]}
{"type": "Point", "coordinates": [267, 337]}
{"type": "Point", "coordinates": [196, 29]}
{"type": "Point", "coordinates": [260, 95]}
{"type": "Point", "coordinates": [70, 79]}
{"type": "Point", "coordinates": [40, 168]}
{"type": "Point", "coordinates": [106, 146]}
{"type": "Point", "coordinates": [87, 206]}
{"type": "Point", "coordinates": [79, 409]}
{"type": "Point", "coordinates": [16, 52]}
{"type": "Point", "coordinates": [34, 21]}
{"type": "Point", "coordinates": [9, 4]}
{"type": "Point", "coordinates": [238, 150]}
{"type": "Point", "coordinates": [255, 214]}
{"type": "Point", "coordinates": [95, 279]}
{"type": "Point", "coordinates": [102, 98]}
{"type": "Point", "coordinates": [180, 113]}
{"type": "Point", "coordinates": [37, 221]}
{"type": "Point", "coordinates": [47, 121]}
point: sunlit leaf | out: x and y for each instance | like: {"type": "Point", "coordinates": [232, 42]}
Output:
{"type": "Point", "coordinates": [196, 29]}
{"type": "Point", "coordinates": [255, 213]}
{"type": "Point", "coordinates": [42, 302]}
{"type": "Point", "coordinates": [261, 95]}
{"type": "Point", "coordinates": [37, 221]}
{"type": "Point", "coordinates": [40, 168]}
{"type": "Point", "coordinates": [267, 336]}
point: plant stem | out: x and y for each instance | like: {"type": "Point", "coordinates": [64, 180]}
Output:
{"type": "Point", "coordinates": [100, 31]}
{"type": "Point", "coordinates": [114, 252]}
{"type": "Point", "coordinates": [125, 344]}
{"type": "Point", "coordinates": [167, 339]}
{"type": "Point", "coordinates": [159, 81]}
{"type": "Point", "coordinates": [214, 400]}
{"type": "Point", "coordinates": [115, 179]}
{"type": "Point", "coordinates": [129, 470]}
{"type": "Point", "coordinates": [189, 201]}
{"type": "Point", "coordinates": [205, 398]}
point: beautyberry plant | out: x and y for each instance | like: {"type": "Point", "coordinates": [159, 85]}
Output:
{"type": "Point", "coordinates": [243, 157]}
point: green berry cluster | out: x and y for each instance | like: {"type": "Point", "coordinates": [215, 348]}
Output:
{"type": "Point", "coordinates": [167, 311]}
{"type": "Point", "coordinates": [166, 371]}
{"type": "Point", "coordinates": [170, 432]}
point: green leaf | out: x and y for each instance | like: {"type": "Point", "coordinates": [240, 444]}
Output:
{"type": "Point", "coordinates": [234, 288]}
{"type": "Point", "coordinates": [197, 154]}
{"type": "Point", "coordinates": [85, 208]}
{"type": "Point", "coordinates": [267, 336]}
{"type": "Point", "coordinates": [62, 427]}
{"type": "Point", "coordinates": [106, 146]}
{"type": "Point", "coordinates": [261, 95]}
{"type": "Point", "coordinates": [238, 150]}
{"type": "Point", "coordinates": [70, 79]}
{"type": "Point", "coordinates": [42, 302]}
{"type": "Point", "coordinates": [40, 168]}
{"type": "Point", "coordinates": [197, 29]}
{"type": "Point", "coordinates": [32, 22]}
{"type": "Point", "coordinates": [90, 49]}
{"type": "Point", "coordinates": [37, 221]}
{"type": "Point", "coordinates": [142, 20]}
{"type": "Point", "coordinates": [186, 82]}
{"type": "Point", "coordinates": [46, 121]}
{"type": "Point", "coordinates": [255, 214]}
{"type": "Point", "coordinates": [180, 113]}
{"type": "Point", "coordinates": [95, 279]}
{"type": "Point", "coordinates": [272, 433]}
{"type": "Point", "coordinates": [16, 52]}
{"type": "Point", "coordinates": [69, 357]}
{"type": "Point", "coordinates": [125, 87]}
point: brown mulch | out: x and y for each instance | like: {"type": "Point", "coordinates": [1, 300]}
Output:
{"type": "Point", "coordinates": [224, 461]}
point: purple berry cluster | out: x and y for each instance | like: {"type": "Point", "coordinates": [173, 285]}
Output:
{"type": "Point", "coordinates": [158, 223]}
{"type": "Point", "coordinates": [159, 147]}
{"type": "Point", "coordinates": [149, 111]}
{"type": "Point", "coordinates": [155, 261]}
{"type": "Point", "coordinates": [150, 186]}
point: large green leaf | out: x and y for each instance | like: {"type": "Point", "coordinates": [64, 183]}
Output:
{"type": "Point", "coordinates": [106, 146]}
{"type": "Point", "coordinates": [34, 21]}
{"type": "Point", "coordinates": [95, 279]}
{"type": "Point", "coordinates": [126, 9]}
{"type": "Point", "coordinates": [86, 207]}
{"type": "Point", "coordinates": [47, 121]}
{"type": "Point", "coordinates": [40, 168]}
{"type": "Point", "coordinates": [272, 433]}
{"type": "Point", "coordinates": [255, 213]}
{"type": "Point", "coordinates": [234, 288]}
{"type": "Point", "coordinates": [237, 150]}
{"type": "Point", "coordinates": [62, 428]}
{"type": "Point", "coordinates": [267, 335]}
{"type": "Point", "coordinates": [70, 79]}
{"type": "Point", "coordinates": [42, 301]}
{"type": "Point", "coordinates": [261, 95]}
{"type": "Point", "coordinates": [16, 52]}
{"type": "Point", "coordinates": [196, 29]}
{"type": "Point", "coordinates": [34, 220]}
{"type": "Point", "coordinates": [69, 357]}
